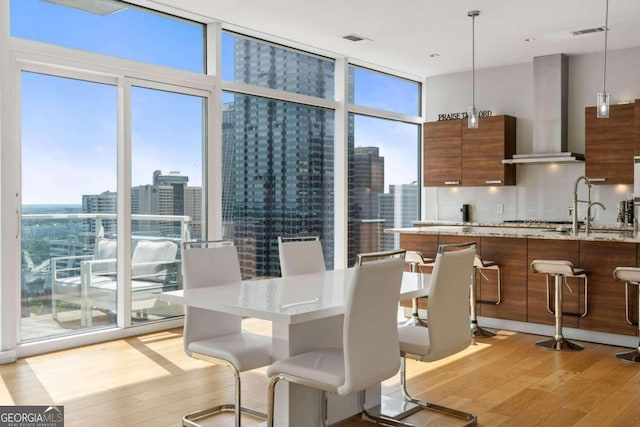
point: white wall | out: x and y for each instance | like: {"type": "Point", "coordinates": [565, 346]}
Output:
{"type": "Point", "coordinates": [542, 191]}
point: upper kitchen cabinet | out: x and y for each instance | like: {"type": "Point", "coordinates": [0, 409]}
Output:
{"type": "Point", "coordinates": [442, 152]}
{"type": "Point", "coordinates": [610, 144]}
{"type": "Point", "coordinates": [457, 155]}
{"type": "Point", "coordinates": [484, 148]}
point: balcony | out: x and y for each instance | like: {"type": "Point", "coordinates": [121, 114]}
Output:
{"type": "Point", "coordinates": [70, 274]}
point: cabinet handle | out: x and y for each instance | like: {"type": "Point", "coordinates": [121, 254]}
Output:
{"type": "Point", "coordinates": [493, 181]}
{"type": "Point", "coordinates": [597, 179]}
{"type": "Point", "coordinates": [451, 182]}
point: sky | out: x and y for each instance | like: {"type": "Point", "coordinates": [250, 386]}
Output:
{"type": "Point", "coordinates": [69, 132]}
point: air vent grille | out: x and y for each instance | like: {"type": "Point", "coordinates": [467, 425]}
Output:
{"type": "Point", "coordinates": [354, 38]}
{"type": "Point", "coordinates": [588, 31]}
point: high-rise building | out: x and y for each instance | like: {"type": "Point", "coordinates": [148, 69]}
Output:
{"type": "Point", "coordinates": [366, 185]}
{"type": "Point", "coordinates": [167, 195]}
{"type": "Point", "coordinates": [103, 203]}
{"type": "Point", "coordinates": [280, 182]}
{"type": "Point", "coordinates": [398, 208]}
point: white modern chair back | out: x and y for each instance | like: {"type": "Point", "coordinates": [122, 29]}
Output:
{"type": "Point", "coordinates": [375, 284]}
{"type": "Point", "coordinates": [214, 264]}
{"type": "Point", "coordinates": [300, 255]}
{"type": "Point", "coordinates": [151, 259]}
{"type": "Point", "coordinates": [105, 249]}
{"type": "Point", "coordinates": [370, 345]}
{"type": "Point", "coordinates": [449, 330]}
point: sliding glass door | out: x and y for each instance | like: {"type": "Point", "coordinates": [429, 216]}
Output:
{"type": "Point", "coordinates": [69, 173]}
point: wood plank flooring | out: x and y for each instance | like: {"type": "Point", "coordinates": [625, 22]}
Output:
{"type": "Point", "coordinates": [506, 380]}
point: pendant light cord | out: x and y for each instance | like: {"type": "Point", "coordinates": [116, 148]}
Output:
{"type": "Point", "coordinates": [473, 60]}
{"type": "Point", "coordinates": [606, 31]}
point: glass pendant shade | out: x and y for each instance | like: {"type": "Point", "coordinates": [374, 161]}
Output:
{"type": "Point", "coordinates": [602, 105]}
{"type": "Point", "coordinates": [472, 117]}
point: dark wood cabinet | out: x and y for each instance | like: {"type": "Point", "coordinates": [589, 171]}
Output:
{"type": "Point", "coordinates": [483, 150]}
{"type": "Point", "coordinates": [511, 256]}
{"type": "Point", "coordinates": [610, 144]}
{"type": "Point", "coordinates": [442, 161]}
{"type": "Point", "coordinates": [606, 296]}
{"type": "Point", "coordinates": [457, 155]}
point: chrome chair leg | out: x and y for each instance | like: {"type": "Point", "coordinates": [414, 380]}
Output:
{"type": "Point", "coordinates": [470, 419]}
{"type": "Point", "coordinates": [189, 420]}
{"type": "Point", "coordinates": [632, 356]}
{"type": "Point", "coordinates": [476, 330]}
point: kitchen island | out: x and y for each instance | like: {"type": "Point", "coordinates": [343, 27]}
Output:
{"type": "Point", "coordinates": [523, 305]}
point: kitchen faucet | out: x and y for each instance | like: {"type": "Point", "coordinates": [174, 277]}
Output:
{"type": "Point", "coordinates": [574, 209]}
{"type": "Point", "coordinates": [588, 219]}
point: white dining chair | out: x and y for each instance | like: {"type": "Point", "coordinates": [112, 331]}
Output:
{"type": "Point", "coordinates": [300, 255]}
{"type": "Point", "coordinates": [218, 337]}
{"type": "Point", "coordinates": [369, 352]}
{"type": "Point", "coordinates": [448, 331]}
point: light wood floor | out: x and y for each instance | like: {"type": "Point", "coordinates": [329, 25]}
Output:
{"type": "Point", "coordinates": [505, 380]}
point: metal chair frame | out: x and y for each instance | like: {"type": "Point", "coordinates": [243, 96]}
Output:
{"type": "Point", "coordinates": [189, 420]}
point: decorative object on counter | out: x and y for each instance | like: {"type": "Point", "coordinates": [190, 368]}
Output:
{"type": "Point", "coordinates": [622, 213]}
{"type": "Point", "coordinates": [473, 112]}
{"type": "Point", "coordinates": [629, 214]}
{"type": "Point", "coordinates": [631, 276]}
{"type": "Point", "coordinates": [602, 99]}
{"type": "Point", "coordinates": [466, 213]}
{"type": "Point", "coordinates": [560, 270]}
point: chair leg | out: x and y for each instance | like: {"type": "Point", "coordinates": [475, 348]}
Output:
{"type": "Point", "coordinates": [190, 419]}
{"type": "Point", "coordinates": [465, 416]}
{"type": "Point", "coordinates": [415, 318]}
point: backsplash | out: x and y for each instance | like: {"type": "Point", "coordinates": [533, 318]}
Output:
{"type": "Point", "coordinates": [544, 192]}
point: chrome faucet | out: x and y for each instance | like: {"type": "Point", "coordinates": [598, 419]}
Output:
{"type": "Point", "coordinates": [574, 209]}
{"type": "Point", "coordinates": [589, 218]}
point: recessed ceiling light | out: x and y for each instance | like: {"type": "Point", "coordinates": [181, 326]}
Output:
{"type": "Point", "coordinates": [434, 55]}
{"type": "Point", "coordinates": [529, 39]}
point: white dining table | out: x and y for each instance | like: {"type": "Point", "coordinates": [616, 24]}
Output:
{"type": "Point", "coordinates": [306, 312]}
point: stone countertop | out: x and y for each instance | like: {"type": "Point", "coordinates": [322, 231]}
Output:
{"type": "Point", "coordinates": [611, 235]}
{"type": "Point", "coordinates": [533, 224]}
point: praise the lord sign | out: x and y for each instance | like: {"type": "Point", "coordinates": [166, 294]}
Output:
{"type": "Point", "coordinates": [456, 116]}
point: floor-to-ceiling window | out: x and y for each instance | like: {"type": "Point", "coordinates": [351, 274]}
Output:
{"type": "Point", "coordinates": [384, 153]}
{"type": "Point", "coordinates": [278, 155]}
{"type": "Point", "coordinates": [113, 130]}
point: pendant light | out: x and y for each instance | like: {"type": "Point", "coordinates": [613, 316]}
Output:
{"type": "Point", "coordinates": [473, 112]}
{"type": "Point", "coordinates": [602, 99]}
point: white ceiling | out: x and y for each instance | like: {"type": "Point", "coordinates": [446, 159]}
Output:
{"type": "Point", "coordinates": [404, 33]}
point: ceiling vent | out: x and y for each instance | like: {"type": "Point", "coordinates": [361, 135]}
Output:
{"type": "Point", "coordinates": [354, 38]}
{"type": "Point", "coordinates": [587, 31]}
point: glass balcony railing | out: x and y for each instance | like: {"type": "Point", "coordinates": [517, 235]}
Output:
{"type": "Point", "coordinates": [69, 270]}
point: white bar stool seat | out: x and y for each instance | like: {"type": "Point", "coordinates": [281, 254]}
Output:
{"type": "Point", "coordinates": [560, 270]}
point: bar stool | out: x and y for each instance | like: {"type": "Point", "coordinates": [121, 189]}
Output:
{"type": "Point", "coordinates": [416, 260]}
{"type": "Point", "coordinates": [480, 264]}
{"type": "Point", "coordinates": [560, 270]}
{"type": "Point", "coordinates": [631, 276]}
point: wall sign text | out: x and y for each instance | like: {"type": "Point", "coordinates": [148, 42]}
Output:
{"type": "Point", "coordinates": [456, 116]}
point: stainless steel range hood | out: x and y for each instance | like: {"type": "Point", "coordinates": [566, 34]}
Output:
{"type": "Point", "coordinates": [550, 99]}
